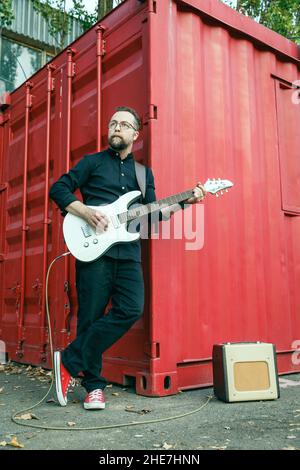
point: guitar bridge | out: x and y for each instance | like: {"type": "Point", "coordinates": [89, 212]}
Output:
{"type": "Point", "coordinates": [86, 230]}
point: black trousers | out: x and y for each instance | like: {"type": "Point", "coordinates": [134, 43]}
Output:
{"type": "Point", "coordinates": [97, 282]}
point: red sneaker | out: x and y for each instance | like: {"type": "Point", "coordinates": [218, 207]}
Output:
{"type": "Point", "coordinates": [63, 379]}
{"type": "Point", "coordinates": [95, 400]}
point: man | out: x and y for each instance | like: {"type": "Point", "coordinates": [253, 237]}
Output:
{"type": "Point", "coordinates": [102, 178]}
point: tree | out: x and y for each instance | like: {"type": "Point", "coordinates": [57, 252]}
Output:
{"type": "Point", "coordinates": [283, 16]}
{"type": "Point", "coordinates": [60, 21]}
{"type": "Point", "coordinates": [54, 12]}
{"type": "Point", "coordinates": [6, 13]}
{"type": "Point", "coordinates": [103, 7]}
{"type": "Point", "coordinates": [8, 59]}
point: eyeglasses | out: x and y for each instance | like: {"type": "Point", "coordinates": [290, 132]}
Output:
{"type": "Point", "coordinates": [124, 125]}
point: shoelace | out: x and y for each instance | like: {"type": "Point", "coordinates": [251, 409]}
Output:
{"type": "Point", "coordinates": [72, 383]}
{"type": "Point", "coordinates": [96, 394]}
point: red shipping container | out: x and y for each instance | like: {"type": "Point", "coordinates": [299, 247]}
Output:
{"type": "Point", "coordinates": [218, 97]}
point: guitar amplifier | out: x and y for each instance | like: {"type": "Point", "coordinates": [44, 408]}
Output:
{"type": "Point", "coordinates": [245, 372]}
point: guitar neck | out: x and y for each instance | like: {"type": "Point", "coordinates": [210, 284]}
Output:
{"type": "Point", "coordinates": [151, 207]}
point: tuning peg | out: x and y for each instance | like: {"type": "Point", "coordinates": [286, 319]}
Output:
{"type": "Point", "coordinates": [222, 193]}
{"type": "Point", "coordinates": [226, 190]}
{"type": "Point", "coordinates": [217, 195]}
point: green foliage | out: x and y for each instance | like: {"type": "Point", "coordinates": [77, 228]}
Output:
{"type": "Point", "coordinates": [78, 11]}
{"type": "Point", "coordinates": [54, 12]}
{"type": "Point", "coordinates": [104, 6]}
{"type": "Point", "coordinates": [283, 16]}
{"type": "Point", "coordinates": [59, 21]}
{"type": "Point", "coordinates": [6, 13]}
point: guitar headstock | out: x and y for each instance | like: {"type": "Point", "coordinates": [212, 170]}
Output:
{"type": "Point", "coordinates": [216, 186]}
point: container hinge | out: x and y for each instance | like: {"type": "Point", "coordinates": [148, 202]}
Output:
{"type": "Point", "coordinates": [152, 350]}
{"type": "Point", "coordinates": [151, 114]}
{"type": "Point", "coordinates": [103, 47]}
{"type": "Point", "coordinates": [152, 6]}
{"type": "Point", "coordinates": [71, 69]}
{"type": "Point", "coordinates": [71, 66]}
{"type": "Point", "coordinates": [3, 187]}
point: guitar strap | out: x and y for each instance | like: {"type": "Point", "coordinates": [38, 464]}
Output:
{"type": "Point", "coordinates": [140, 172]}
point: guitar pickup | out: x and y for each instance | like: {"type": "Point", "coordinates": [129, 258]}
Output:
{"type": "Point", "coordinates": [86, 230]}
{"type": "Point", "coordinates": [115, 221]}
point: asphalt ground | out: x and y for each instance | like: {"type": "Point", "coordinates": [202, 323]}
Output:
{"type": "Point", "coordinates": [215, 425]}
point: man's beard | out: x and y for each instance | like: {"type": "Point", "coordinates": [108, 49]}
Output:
{"type": "Point", "coordinates": [117, 143]}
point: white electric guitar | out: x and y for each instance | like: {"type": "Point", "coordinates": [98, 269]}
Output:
{"type": "Point", "coordinates": [86, 245]}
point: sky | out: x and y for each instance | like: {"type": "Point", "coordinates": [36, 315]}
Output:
{"type": "Point", "coordinates": [91, 4]}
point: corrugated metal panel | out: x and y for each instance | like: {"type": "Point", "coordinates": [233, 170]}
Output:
{"type": "Point", "coordinates": [31, 24]}
{"type": "Point", "coordinates": [218, 118]}
{"type": "Point", "coordinates": [210, 96]}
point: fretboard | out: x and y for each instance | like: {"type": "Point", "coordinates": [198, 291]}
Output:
{"type": "Point", "coordinates": [145, 209]}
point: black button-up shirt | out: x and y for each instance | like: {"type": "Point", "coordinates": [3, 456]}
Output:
{"type": "Point", "coordinates": [102, 178]}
